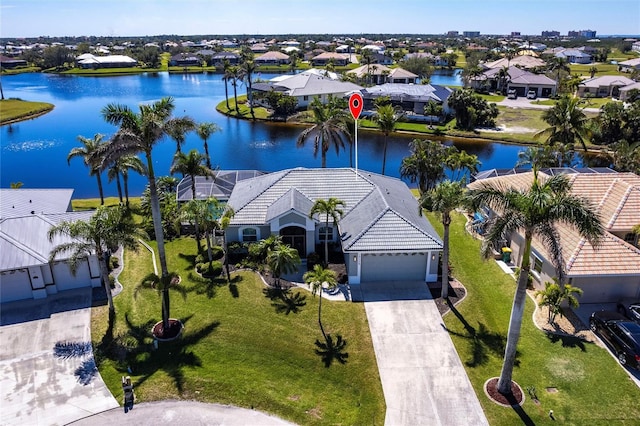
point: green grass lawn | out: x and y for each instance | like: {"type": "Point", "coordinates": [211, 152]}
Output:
{"type": "Point", "coordinates": [16, 109]}
{"type": "Point", "coordinates": [592, 388]}
{"type": "Point", "coordinates": [244, 111]}
{"type": "Point", "coordinates": [237, 349]}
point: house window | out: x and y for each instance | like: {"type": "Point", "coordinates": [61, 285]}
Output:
{"type": "Point", "coordinates": [249, 234]}
{"type": "Point", "coordinates": [326, 232]}
{"type": "Point", "coordinates": [305, 98]}
{"type": "Point", "coordinates": [537, 264]}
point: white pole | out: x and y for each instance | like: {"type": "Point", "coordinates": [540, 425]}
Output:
{"type": "Point", "coordinates": [356, 143]}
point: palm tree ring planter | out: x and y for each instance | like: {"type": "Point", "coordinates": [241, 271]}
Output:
{"type": "Point", "coordinates": [515, 399]}
{"type": "Point", "coordinates": [166, 335]}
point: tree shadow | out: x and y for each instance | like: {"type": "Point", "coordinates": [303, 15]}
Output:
{"type": "Point", "coordinates": [567, 341]}
{"type": "Point", "coordinates": [526, 420]}
{"type": "Point", "coordinates": [87, 370]}
{"type": "Point", "coordinates": [205, 286]}
{"type": "Point", "coordinates": [233, 286]}
{"type": "Point", "coordinates": [331, 350]}
{"type": "Point", "coordinates": [284, 300]}
{"type": "Point", "coordinates": [190, 258]}
{"type": "Point", "coordinates": [483, 341]}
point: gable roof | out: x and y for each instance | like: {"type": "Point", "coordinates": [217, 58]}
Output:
{"type": "Point", "coordinates": [380, 213]}
{"type": "Point", "coordinates": [524, 61]}
{"type": "Point", "coordinates": [219, 186]}
{"type": "Point", "coordinates": [310, 84]}
{"type": "Point", "coordinates": [616, 198]}
{"type": "Point", "coordinates": [607, 80]}
{"type": "Point", "coordinates": [409, 92]}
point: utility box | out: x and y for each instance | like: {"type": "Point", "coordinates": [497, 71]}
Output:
{"type": "Point", "coordinates": [506, 254]}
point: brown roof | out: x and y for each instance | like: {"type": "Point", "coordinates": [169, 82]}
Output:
{"type": "Point", "coordinates": [616, 197]}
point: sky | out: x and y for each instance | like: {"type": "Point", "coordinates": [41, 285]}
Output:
{"type": "Point", "coordinates": [33, 18]}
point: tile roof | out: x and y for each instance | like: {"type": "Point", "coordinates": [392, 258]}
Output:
{"type": "Point", "coordinates": [380, 213]}
{"type": "Point", "coordinates": [616, 197]}
{"type": "Point", "coordinates": [607, 80]}
{"type": "Point", "coordinates": [220, 186]}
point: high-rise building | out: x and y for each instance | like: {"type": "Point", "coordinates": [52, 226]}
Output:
{"type": "Point", "coordinates": [582, 33]}
{"type": "Point", "coordinates": [515, 33]}
{"type": "Point", "coordinates": [452, 33]}
{"type": "Point", "coordinates": [471, 33]}
{"type": "Point", "coordinates": [551, 33]}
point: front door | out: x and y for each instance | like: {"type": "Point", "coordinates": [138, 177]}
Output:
{"type": "Point", "coordinates": [295, 237]}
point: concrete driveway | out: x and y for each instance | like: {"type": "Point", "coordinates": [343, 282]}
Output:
{"type": "Point", "coordinates": [423, 380]}
{"type": "Point", "coordinates": [48, 373]}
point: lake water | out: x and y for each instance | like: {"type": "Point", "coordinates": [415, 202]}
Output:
{"type": "Point", "coordinates": [34, 152]}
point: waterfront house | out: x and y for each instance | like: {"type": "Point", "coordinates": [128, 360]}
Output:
{"type": "Point", "coordinates": [272, 58]}
{"type": "Point", "coordinates": [604, 86]}
{"type": "Point", "coordinates": [411, 98]}
{"type": "Point", "coordinates": [380, 74]}
{"type": "Point", "coordinates": [89, 61]}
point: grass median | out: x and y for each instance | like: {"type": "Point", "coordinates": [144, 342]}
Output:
{"type": "Point", "coordinates": [236, 348]}
{"type": "Point", "coordinates": [591, 388]}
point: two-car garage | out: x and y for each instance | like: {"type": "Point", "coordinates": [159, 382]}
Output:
{"type": "Point", "coordinates": [394, 267]}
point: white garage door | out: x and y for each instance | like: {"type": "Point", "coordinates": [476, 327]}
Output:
{"type": "Point", "coordinates": [15, 286]}
{"type": "Point", "coordinates": [394, 267]}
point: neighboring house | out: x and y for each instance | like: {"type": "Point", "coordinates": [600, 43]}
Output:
{"type": "Point", "coordinates": [604, 86]}
{"type": "Point", "coordinates": [6, 62]}
{"type": "Point", "coordinates": [574, 56]}
{"type": "Point", "coordinates": [379, 58]}
{"type": "Point", "coordinates": [272, 58]}
{"type": "Point", "coordinates": [636, 46]}
{"type": "Point", "coordinates": [435, 59]}
{"type": "Point", "coordinates": [185, 60]}
{"type": "Point", "coordinates": [382, 234]}
{"type": "Point", "coordinates": [410, 97]}
{"type": "Point", "coordinates": [609, 273]}
{"type": "Point", "coordinates": [259, 48]}
{"type": "Point", "coordinates": [219, 186]}
{"type": "Point", "coordinates": [630, 65]}
{"type": "Point", "coordinates": [519, 79]}
{"type": "Point", "coordinates": [217, 59]}
{"type": "Point", "coordinates": [339, 59]}
{"type": "Point", "coordinates": [521, 61]}
{"type": "Point", "coordinates": [25, 271]}
{"type": "Point", "coordinates": [380, 74]}
{"type": "Point", "coordinates": [625, 92]}
{"type": "Point", "coordinates": [88, 61]}
{"type": "Point", "coordinates": [306, 86]}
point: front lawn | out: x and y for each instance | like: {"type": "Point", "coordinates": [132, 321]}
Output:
{"type": "Point", "coordinates": [591, 387]}
{"type": "Point", "coordinates": [237, 348]}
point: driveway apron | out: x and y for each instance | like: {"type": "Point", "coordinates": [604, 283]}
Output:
{"type": "Point", "coordinates": [48, 371]}
{"type": "Point", "coordinates": [423, 380]}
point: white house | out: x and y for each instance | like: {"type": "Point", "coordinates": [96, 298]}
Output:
{"type": "Point", "coordinates": [382, 235]}
{"type": "Point", "coordinates": [25, 270]}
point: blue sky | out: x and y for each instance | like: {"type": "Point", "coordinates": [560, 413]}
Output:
{"type": "Point", "coordinates": [30, 18]}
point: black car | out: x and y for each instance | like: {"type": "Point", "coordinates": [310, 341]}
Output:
{"type": "Point", "coordinates": [620, 333]}
{"type": "Point", "coordinates": [632, 311]}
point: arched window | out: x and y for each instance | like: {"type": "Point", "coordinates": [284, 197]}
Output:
{"type": "Point", "coordinates": [249, 235]}
{"type": "Point", "coordinates": [325, 232]}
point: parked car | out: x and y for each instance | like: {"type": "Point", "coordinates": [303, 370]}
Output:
{"type": "Point", "coordinates": [631, 311]}
{"type": "Point", "coordinates": [512, 94]}
{"type": "Point", "coordinates": [532, 94]}
{"type": "Point", "coordinates": [622, 335]}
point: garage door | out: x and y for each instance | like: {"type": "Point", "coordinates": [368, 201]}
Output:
{"type": "Point", "coordinates": [394, 267]}
{"type": "Point", "coordinates": [15, 286]}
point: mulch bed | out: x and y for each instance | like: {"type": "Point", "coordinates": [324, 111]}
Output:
{"type": "Point", "coordinates": [174, 330]}
{"type": "Point", "coordinates": [516, 397]}
{"type": "Point", "coordinates": [456, 293]}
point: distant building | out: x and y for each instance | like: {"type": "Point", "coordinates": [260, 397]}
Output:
{"type": "Point", "coordinates": [551, 34]}
{"type": "Point", "coordinates": [452, 33]}
{"type": "Point", "coordinates": [471, 33]}
{"type": "Point", "coordinates": [582, 33]}
{"type": "Point", "coordinates": [515, 33]}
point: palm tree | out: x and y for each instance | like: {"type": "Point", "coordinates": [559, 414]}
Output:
{"type": "Point", "coordinates": [593, 71]}
{"type": "Point", "coordinates": [114, 173]}
{"type": "Point", "coordinates": [567, 123]}
{"type": "Point", "coordinates": [555, 294]}
{"type": "Point", "coordinates": [558, 64]}
{"type": "Point", "coordinates": [226, 76]}
{"type": "Point", "coordinates": [319, 278]}
{"type": "Point", "coordinates": [425, 164]}
{"type": "Point", "coordinates": [283, 259]}
{"type": "Point", "coordinates": [293, 62]}
{"type": "Point", "coordinates": [16, 185]}
{"type": "Point", "coordinates": [129, 162]}
{"type": "Point", "coordinates": [462, 164]}
{"type": "Point", "coordinates": [503, 79]}
{"type": "Point", "coordinates": [329, 128]}
{"type": "Point", "coordinates": [140, 132]}
{"type": "Point", "coordinates": [535, 213]}
{"type": "Point", "coordinates": [432, 109]}
{"type": "Point", "coordinates": [178, 132]}
{"type": "Point", "coordinates": [386, 119]}
{"type": "Point", "coordinates": [443, 199]}
{"type": "Point", "coordinates": [540, 157]}
{"type": "Point", "coordinates": [191, 165]}
{"type": "Point", "coordinates": [234, 76]}
{"type": "Point", "coordinates": [249, 67]}
{"type": "Point", "coordinates": [330, 208]}
{"type": "Point", "coordinates": [88, 152]}
{"type": "Point", "coordinates": [204, 131]}
{"type": "Point", "coordinates": [108, 228]}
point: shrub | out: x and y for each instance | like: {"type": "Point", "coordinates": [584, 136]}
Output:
{"type": "Point", "coordinates": [200, 258]}
{"type": "Point", "coordinates": [215, 269]}
{"type": "Point", "coordinates": [200, 267]}
{"type": "Point", "coordinates": [112, 281]}
{"type": "Point", "coordinates": [217, 252]}
{"type": "Point", "coordinates": [114, 262]}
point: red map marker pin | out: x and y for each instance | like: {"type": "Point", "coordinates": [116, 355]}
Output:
{"type": "Point", "coordinates": [355, 105]}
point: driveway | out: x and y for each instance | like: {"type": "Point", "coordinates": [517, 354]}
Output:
{"type": "Point", "coordinates": [48, 373]}
{"type": "Point", "coordinates": [423, 380]}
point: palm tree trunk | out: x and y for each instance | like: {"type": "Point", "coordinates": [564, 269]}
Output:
{"type": "Point", "coordinates": [119, 187]}
{"type": "Point", "coordinates": [235, 95]}
{"type": "Point", "coordinates": [206, 152]}
{"type": "Point", "coordinates": [125, 180]}
{"type": "Point", "coordinates": [157, 228]}
{"type": "Point", "coordinates": [104, 271]}
{"type": "Point", "coordinates": [326, 243]}
{"type": "Point", "coordinates": [195, 221]}
{"type": "Point", "coordinates": [446, 221]}
{"type": "Point", "coordinates": [100, 188]}
{"type": "Point", "coordinates": [515, 322]}
{"type": "Point", "coordinates": [226, 254]}
{"type": "Point", "coordinates": [319, 314]}
{"type": "Point", "coordinates": [226, 93]}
